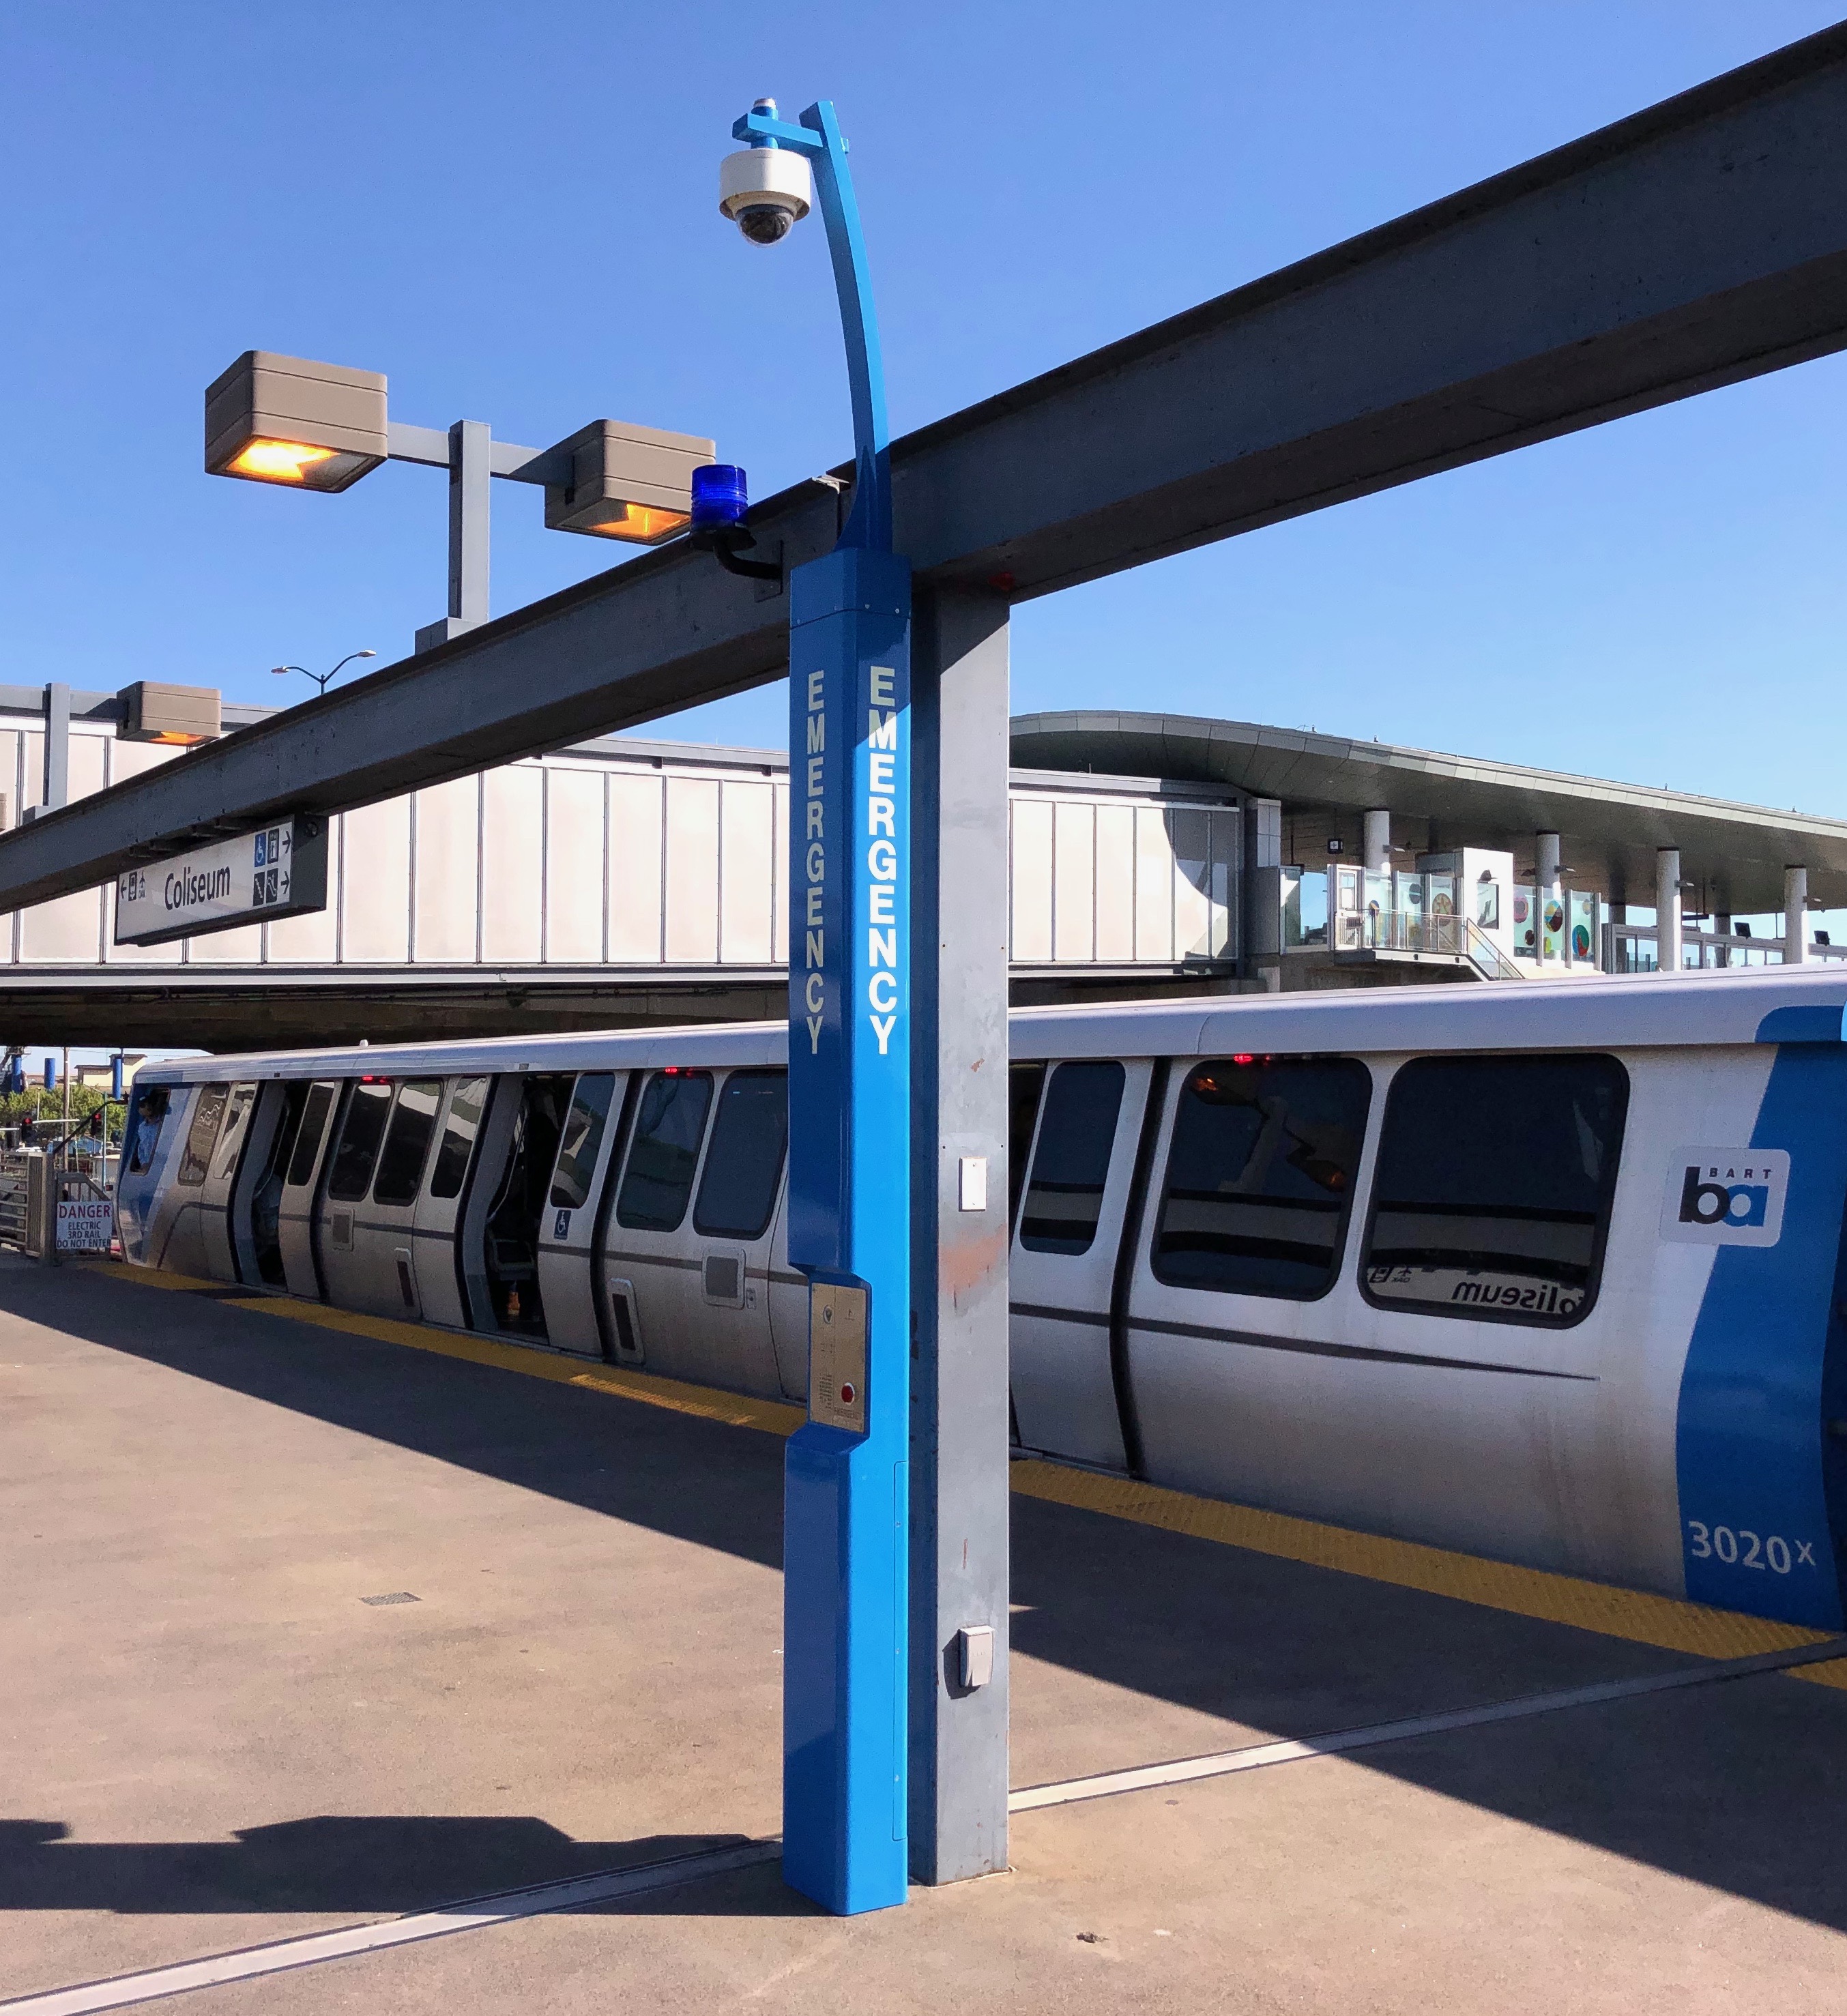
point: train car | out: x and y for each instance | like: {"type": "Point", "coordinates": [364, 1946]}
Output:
{"type": "Point", "coordinates": [1549, 1272]}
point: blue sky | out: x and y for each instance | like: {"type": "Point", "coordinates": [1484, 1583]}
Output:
{"type": "Point", "coordinates": [512, 211]}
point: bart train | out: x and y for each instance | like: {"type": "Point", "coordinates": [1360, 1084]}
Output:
{"type": "Point", "coordinates": [1551, 1272]}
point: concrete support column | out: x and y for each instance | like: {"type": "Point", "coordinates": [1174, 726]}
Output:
{"type": "Point", "coordinates": [1376, 848]}
{"type": "Point", "coordinates": [960, 1426]}
{"type": "Point", "coordinates": [1795, 916]}
{"type": "Point", "coordinates": [1262, 964]}
{"type": "Point", "coordinates": [1547, 888]}
{"type": "Point", "coordinates": [1722, 924]}
{"type": "Point", "coordinates": [1667, 908]}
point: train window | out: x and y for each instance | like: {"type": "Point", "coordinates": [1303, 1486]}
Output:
{"type": "Point", "coordinates": [149, 1115]}
{"type": "Point", "coordinates": [1072, 1159]}
{"type": "Point", "coordinates": [197, 1160]}
{"type": "Point", "coordinates": [583, 1137]}
{"type": "Point", "coordinates": [231, 1134]}
{"type": "Point", "coordinates": [1024, 1084]}
{"type": "Point", "coordinates": [668, 1131]}
{"type": "Point", "coordinates": [1493, 1188]}
{"type": "Point", "coordinates": [1261, 1175]}
{"type": "Point", "coordinates": [307, 1141]}
{"type": "Point", "coordinates": [407, 1141]}
{"type": "Point", "coordinates": [466, 1104]}
{"type": "Point", "coordinates": [365, 1127]}
{"type": "Point", "coordinates": [738, 1191]}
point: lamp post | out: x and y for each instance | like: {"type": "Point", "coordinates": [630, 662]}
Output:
{"type": "Point", "coordinates": [309, 426]}
{"type": "Point", "coordinates": [321, 679]}
{"type": "Point", "coordinates": [846, 1491]}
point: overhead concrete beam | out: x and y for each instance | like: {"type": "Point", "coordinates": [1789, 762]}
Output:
{"type": "Point", "coordinates": [1699, 243]}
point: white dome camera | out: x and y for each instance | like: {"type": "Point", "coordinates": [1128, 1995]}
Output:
{"type": "Point", "coordinates": [763, 190]}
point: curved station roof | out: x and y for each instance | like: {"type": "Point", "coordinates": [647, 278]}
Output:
{"type": "Point", "coordinates": [1734, 854]}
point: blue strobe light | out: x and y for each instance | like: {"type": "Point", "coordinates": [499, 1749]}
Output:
{"type": "Point", "coordinates": [721, 496]}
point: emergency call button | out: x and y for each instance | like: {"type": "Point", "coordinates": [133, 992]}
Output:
{"type": "Point", "coordinates": [837, 1356]}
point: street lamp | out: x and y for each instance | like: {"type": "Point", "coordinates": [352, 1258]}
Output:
{"type": "Point", "coordinates": [321, 680]}
{"type": "Point", "coordinates": [846, 1515]}
{"type": "Point", "coordinates": [308, 426]}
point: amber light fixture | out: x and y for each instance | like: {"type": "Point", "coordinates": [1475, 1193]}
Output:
{"type": "Point", "coordinates": [627, 482]}
{"type": "Point", "coordinates": [271, 419]}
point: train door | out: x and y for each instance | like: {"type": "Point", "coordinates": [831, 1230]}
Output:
{"type": "Point", "coordinates": [1063, 1268]}
{"type": "Point", "coordinates": [368, 1252]}
{"type": "Point", "coordinates": [525, 1124]}
{"type": "Point", "coordinates": [436, 1223]}
{"type": "Point", "coordinates": [198, 1240]}
{"type": "Point", "coordinates": [567, 1233]}
{"type": "Point", "coordinates": [300, 1177]}
{"type": "Point", "coordinates": [734, 1213]}
{"type": "Point", "coordinates": [145, 1179]}
{"type": "Point", "coordinates": [256, 1196]}
{"type": "Point", "coordinates": [652, 1265]}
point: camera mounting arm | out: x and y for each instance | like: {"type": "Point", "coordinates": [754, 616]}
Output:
{"type": "Point", "coordinates": [818, 137]}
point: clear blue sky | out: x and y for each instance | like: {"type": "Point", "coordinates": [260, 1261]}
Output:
{"type": "Point", "coordinates": [512, 211]}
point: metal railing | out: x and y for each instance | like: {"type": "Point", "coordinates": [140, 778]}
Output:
{"type": "Point", "coordinates": [1636, 948]}
{"type": "Point", "coordinates": [14, 1194]}
{"type": "Point", "coordinates": [1445, 934]}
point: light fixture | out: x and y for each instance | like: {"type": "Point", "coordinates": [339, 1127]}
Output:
{"type": "Point", "coordinates": [627, 482]}
{"type": "Point", "coordinates": [286, 419]}
{"type": "Point", "coordinates": [177, 716]}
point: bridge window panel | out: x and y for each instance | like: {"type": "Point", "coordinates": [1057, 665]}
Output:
{"type": "Point", "coordinates": [196, 1159]}
{"type": "Point", "coordinates": [359, 1139]}
{"type": "Point", "coordinates": [1072, 1160]}
{"type": "Point", "coordinates": [1260, 1176]}
{"type": "Point", "coordinates": [407, 1141]}
{"type": "Point", "coordinates": [1492, 1195]}
{"type": "Point", "coordinates": [750, 1134]}
{"type": "Point", "coordinates": [668, 1129]}
{"type": "Point", "coordinates": [1024, 1084]}
{"type": "Point", "coordinates": [307, 1141]}
{"type": "Point", "coordinates": [583, 1139]}
{"type": "Point", "coordinates": [460, 1128]}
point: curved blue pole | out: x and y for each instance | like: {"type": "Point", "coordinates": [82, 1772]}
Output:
{"type": "Point", "coordinates": [818, 136]}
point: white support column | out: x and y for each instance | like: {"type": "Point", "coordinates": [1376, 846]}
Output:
{"type": "Point", "coordinates": [1547, 889]}
{"type": "Point", "coordinates": [1795, 917]}
{"type": "Point", "coordinates": [1667, 908]}
{"type": "Point", "coordinates": [1377, 845]}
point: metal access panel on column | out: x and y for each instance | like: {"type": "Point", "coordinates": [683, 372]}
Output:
{"type": "Point", "coordinates": [846, 1504]}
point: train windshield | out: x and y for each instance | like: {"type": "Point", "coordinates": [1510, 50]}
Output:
{"type": "Point", "coordinates": [1494, 1184]}
{"type": "Point", "coordinates": [1261, 1174]}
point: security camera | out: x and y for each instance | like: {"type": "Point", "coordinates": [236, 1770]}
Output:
{"type": "Point", "coordinates": [763, 190]}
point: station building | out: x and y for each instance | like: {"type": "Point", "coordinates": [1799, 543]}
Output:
{"type": "Point", "coordinates": [625, 882]}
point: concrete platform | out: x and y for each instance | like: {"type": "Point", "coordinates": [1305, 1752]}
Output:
{"type": "Point", "coordinates": [212, 1740]}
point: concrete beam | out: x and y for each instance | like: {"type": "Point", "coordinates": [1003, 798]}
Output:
{"type": "Point", "coordinates": [1699, 243]}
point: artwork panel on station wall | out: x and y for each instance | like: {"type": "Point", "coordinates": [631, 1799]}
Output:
{"type": "Point", "coordinates": [692, 877]}
{"type": "Point", "coordinates": [375, 883]}
{"type": "Point", "coordinates": [636, 815]}
{"type": "Point", "coordinates": [449, 852]}
{"type": "Point", "coordinates": [748, 895]}
{"type": "Point", "coordinates": [1030, 881]}
{"type": "Point", "coordinates": [513, 862]}
{"type": "Point", "coordinates": [574, 865]}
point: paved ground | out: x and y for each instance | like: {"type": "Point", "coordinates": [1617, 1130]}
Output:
{"type": "Point", "coordinates": [210, 1740]}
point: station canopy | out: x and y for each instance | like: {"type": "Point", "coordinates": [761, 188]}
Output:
{"type": "Point", "coordinates": [1733, 854]}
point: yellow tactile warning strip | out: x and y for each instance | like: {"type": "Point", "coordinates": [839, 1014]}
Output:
{"type": "Point", "coordinates": [1661, 1620]}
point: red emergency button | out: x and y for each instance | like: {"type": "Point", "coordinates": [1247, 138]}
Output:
{"type": "Point", "coordinates": [846, 1395]}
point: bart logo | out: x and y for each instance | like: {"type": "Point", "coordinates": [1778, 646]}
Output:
{"type": "Point", "coordinates": [1726, 1197]}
